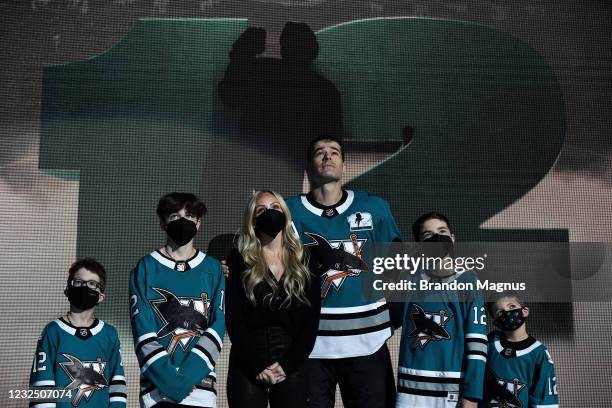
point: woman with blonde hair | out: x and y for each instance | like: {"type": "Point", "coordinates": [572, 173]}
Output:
{"type": "Point", "coordinates": [272, 308]}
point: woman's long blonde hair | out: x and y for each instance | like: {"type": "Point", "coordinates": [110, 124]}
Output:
{"type": "Point", "coordinates": [296, 276]}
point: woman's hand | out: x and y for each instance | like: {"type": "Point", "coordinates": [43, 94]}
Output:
{"type": "Point", "coordinates": [277, 371]}
{"type": "Point", "coordinates": [266, 377]}
{"type": "Point", "coordinates": [273, 374]}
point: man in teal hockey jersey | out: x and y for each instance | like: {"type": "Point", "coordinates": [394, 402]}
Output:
{"type": "Point", "coordinates": [338, 226]}
{"type": "Point", "coordinates": [78, 355]}
{"type": "Point", "coordinates": [444, 343]}
{"type": "Point", "coordinates": [176, 295]}
{"type": "Point", "coordinates": [520, 370]}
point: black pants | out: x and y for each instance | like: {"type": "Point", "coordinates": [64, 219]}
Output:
{"type": "Point", "coordinates": [366, 381]}
{"type": "Point", "coordinates": [243, 392]}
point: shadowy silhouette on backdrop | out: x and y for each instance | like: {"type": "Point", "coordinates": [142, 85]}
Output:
{"type": "Point", "coordinates": [280, 104]}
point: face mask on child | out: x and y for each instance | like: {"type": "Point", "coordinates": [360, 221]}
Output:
{"type": "Point", "coordinates": [510, 320]}
{"type": "Point", "coordinates": [181, 231]}
{"type": "Point", "coordinates": [83, 298]}
{"type": "Point", "coordinates": [443, 246]}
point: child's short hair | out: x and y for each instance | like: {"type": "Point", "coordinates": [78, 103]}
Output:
{"type": "Point", "coordinates": [92, 266]}
{"type": "Point", "coordinates": [175, 202]}
{"type": "Point", "coordinates": [433, 215]}
{"type": "Point", "coordinates": [500, 295]}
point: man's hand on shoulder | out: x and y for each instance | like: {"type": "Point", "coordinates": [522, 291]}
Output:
{"type": "Point", "coordinates": [226, 270]}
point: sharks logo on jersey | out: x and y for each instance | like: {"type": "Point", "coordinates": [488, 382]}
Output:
{"type": "Point", "coordinates": [184, 318]}
{"type": "Point", "coordinates": [428, 325]}
{"type": "Point", "coordinates": [86, 377]}
{"type": "Point", "coordinates": [336, 260]}
{"type": "Point", "coordinates": [502, 393]}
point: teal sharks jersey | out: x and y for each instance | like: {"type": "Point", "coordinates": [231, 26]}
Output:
{"type": "Point", "coordinates": [339, 239]}
{"type": "Point", "coordinates": [519, 375]}
{"type": "Point", "coordinates": [443, 347]}
{"type": "Point", "coordinates": [178, 323]}
{"type": "Point", "coordinates": [84, 362]}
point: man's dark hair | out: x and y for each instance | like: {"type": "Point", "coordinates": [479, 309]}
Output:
{"type": "Point", "coordinates": [326, 138]}
{"type": "Point", "coordinates": [418, 224]}
{"type": "Point", "coordinates": [92, 266]}
{"type": "Point", "coordinates": [498, 295]}
{"type": "Point", "coordinates": [175, 202]}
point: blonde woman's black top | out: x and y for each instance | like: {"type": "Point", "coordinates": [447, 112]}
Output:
{"type": "Point", "coordinates": [269, 331]}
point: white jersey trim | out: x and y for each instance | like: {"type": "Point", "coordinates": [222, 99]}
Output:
{"type": "Point", "coordinates": [528, 349]}
{"type": "Point", "coordinates": [350, 197]}
{"type": "Point", "coordinates": [43, 383]}
{"type": "Point", "coordinates": [152, 360]}
{"type": "Point", "coordinates": [476, 336]}
{"type": "Point", "coordinates": [145, 336]}
{"type": "Point", "coordinates": [349, 200]}
{"type": "Point", "coordinates": [423, 401]}
{"type": "Point", "coordinates": [164, 261]}
{"type": "Point", "coordinates": [203, 357]}
{"type": "Point", "coordinates": [197, 260]}
{"type": "Point", "coordinates": [310, 207]}
{"type": "Point", "coordinates": [118, 399]}
{"type": "Point", "coordinates": [215, 335]}
{"type": "Point", "coordinates": [197, 398]}
{"type": "Point", "coordinates": [65, 327]}
{"type": "Point", "coordinates": [429, 373]}
{"type": "Point", "coordinates": [519, 353]}
{"type": "Point", "coordinates": [349, 346]}
{"type": "Point", "coordinates": [353, 309]}
{"type": "Point", "coordinates": [98, 328]}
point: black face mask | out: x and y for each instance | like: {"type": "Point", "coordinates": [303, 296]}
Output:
{"type": "Point", "coordinates": [442, 246]}
{"type": "Point", "coordinates": [510, 320]}
{"type": "Point", "coordinates": [270, 222]}
{"type": "Point", "coordinates": [82, 298]}
{"type": "Point", "coordinates": [181, 231]}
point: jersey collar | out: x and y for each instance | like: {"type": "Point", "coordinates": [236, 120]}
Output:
{"type": "Point", "coordinates": [94, 329]}
{"type": "Point", "coordinates": [520, 347]}
{"type": "Point", "coordinates": [172, 264]}
{"type": "Point", "coordinates": [318, 209]}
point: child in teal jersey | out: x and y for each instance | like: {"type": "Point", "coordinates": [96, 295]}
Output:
{"type": "Point", "coordinates": [178, 322]}
{"type": "Point", "coordinates": [78, 357]}
{"type": "Point", "coordinates": [520, 370]}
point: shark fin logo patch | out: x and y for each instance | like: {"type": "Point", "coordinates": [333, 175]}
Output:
{"type": "Point", "coordinates": [336, 260]}
{"type": "Point", "coordinates": [86, 377]}
{"type": "Point", "coordinates": [502, 393]}
{"type": "Point", "coordinates": [183, 318]}
{"type": "Point", "coordinates": [428, 326]}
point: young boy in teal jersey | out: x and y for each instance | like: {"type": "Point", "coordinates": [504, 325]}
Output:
{"type": "Point", "coordinates": [444, 343]}
{"type": "Point", "coordinates": [520, 370]}
{"type": "Point", "coordinates": [178, 323]}
{"type": "Point", "coordinates": [78, 357]}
